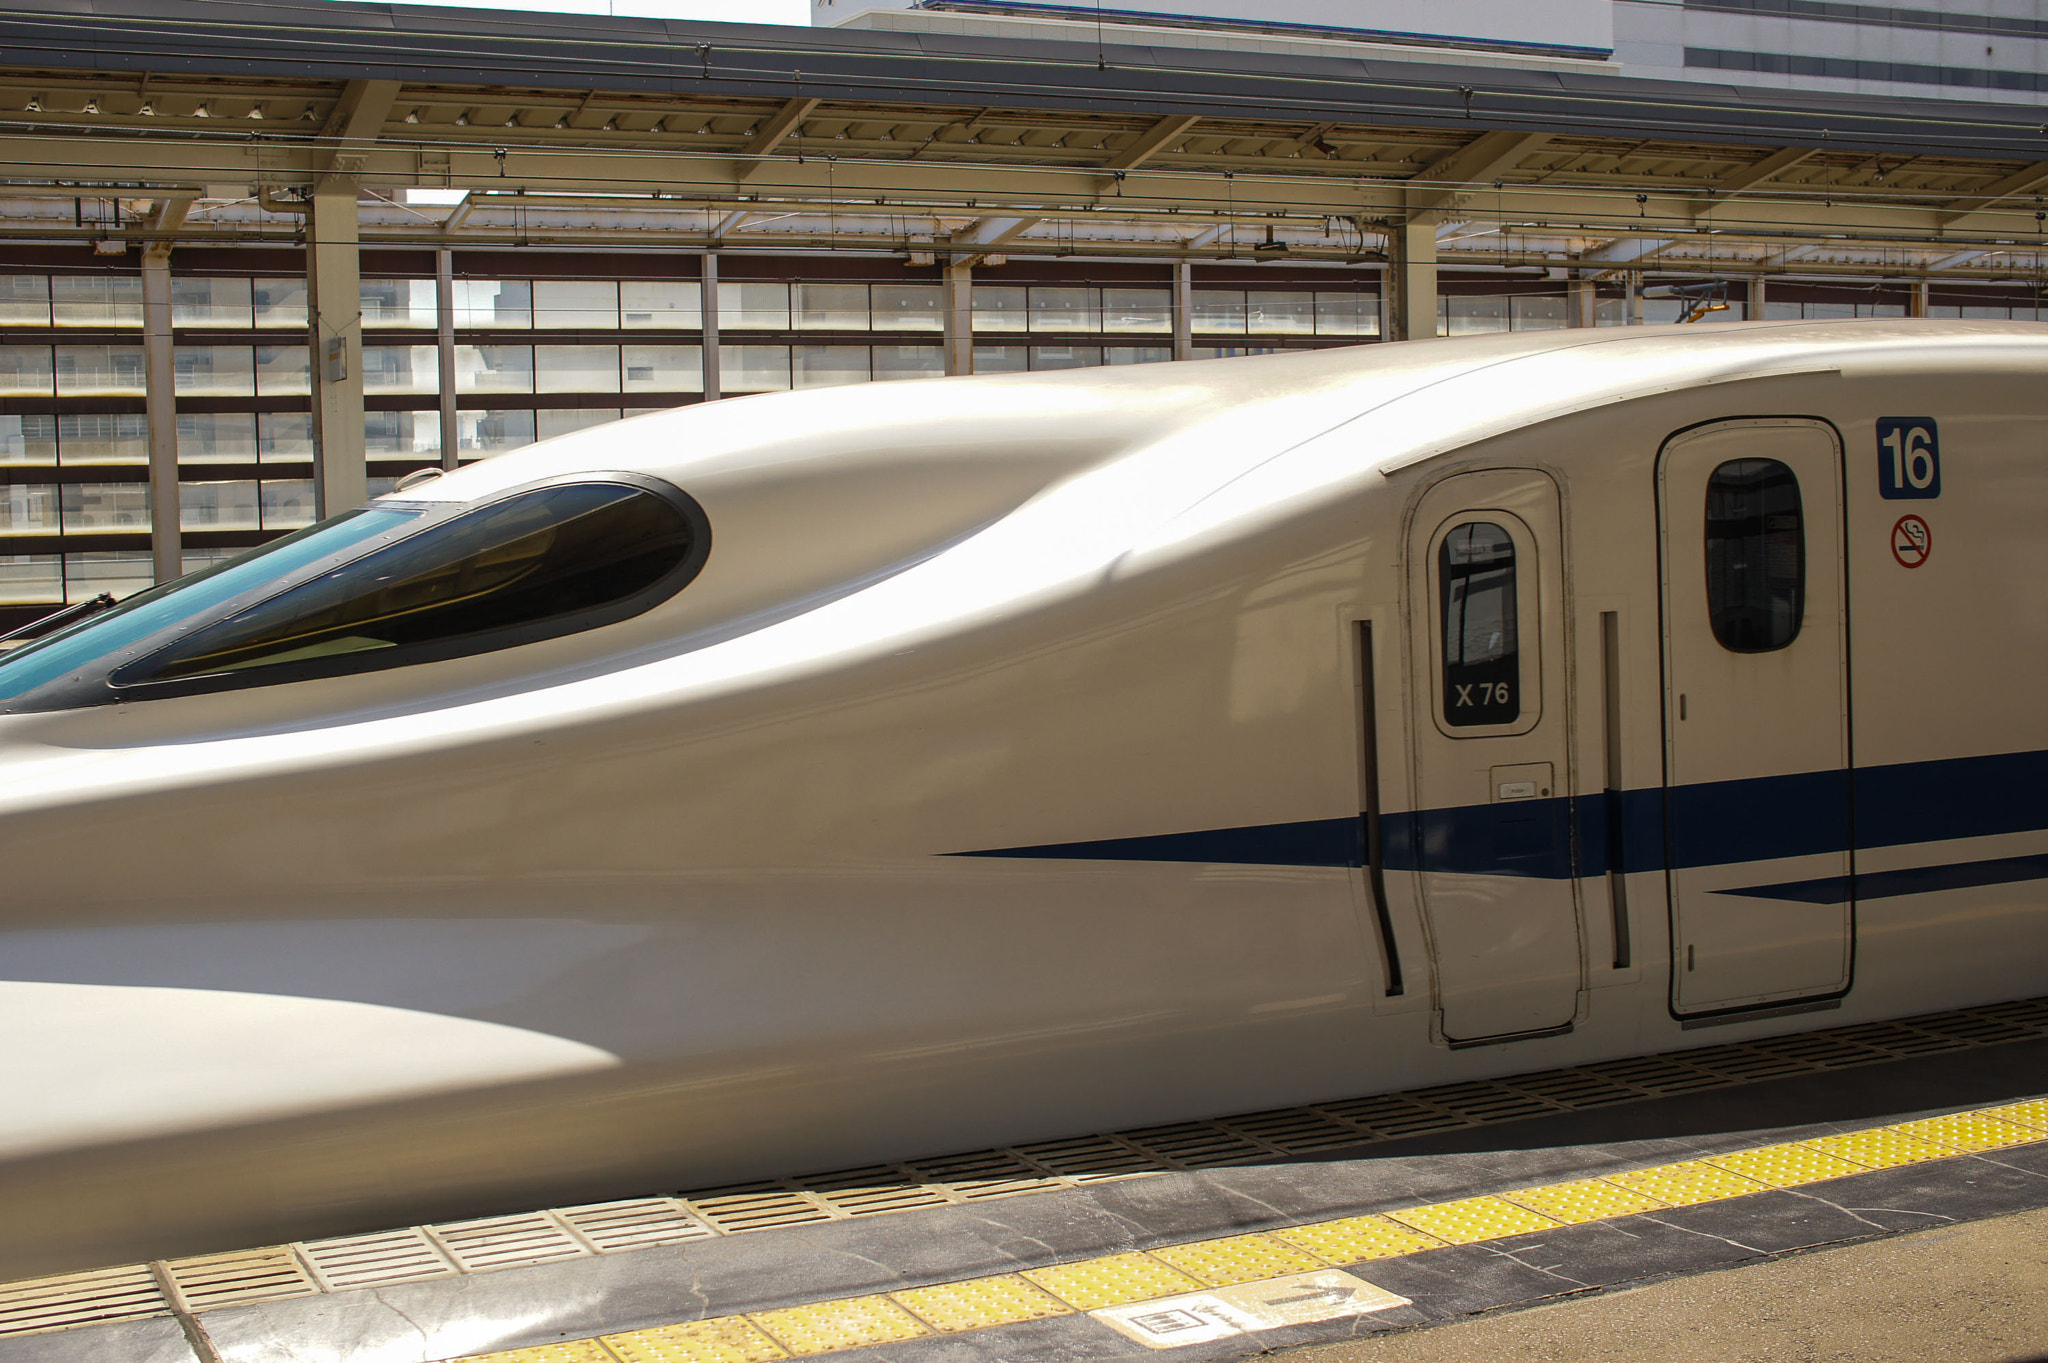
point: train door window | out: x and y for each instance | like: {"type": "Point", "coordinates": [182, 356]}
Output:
{"type": "Point", "coordinates": [1756, 555]}
{"type": "Point", "coordinates": [1482, 682]}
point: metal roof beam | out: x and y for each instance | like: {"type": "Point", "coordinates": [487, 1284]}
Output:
{"type": "Point", "coordinates": [1950, 262]}
{"type": "Point", "coordinates": [1151, 142]}
{"type": "Point", "coordinates": [1756, 173]}
{"type": "Point", "coordinates": [354, 122]}
{"type": "Point", "coordinates": [994, 231]}
{"type": "Point", "coordinates": [985, 235]}
{"type": "Point", "coordinates": [2033, 177]}
{"type": "Point", "coordinates": [1444, 180]}
{"type": "Point", "coordinates": [781, 125]}
{"type": "Point", "coordinates": [1624, 253]}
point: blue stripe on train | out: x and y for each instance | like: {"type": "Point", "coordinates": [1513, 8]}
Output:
{"type": "Point", "coordinates": [1955, 875]}
{"type": "Point", "coordinates": [1714, 824]}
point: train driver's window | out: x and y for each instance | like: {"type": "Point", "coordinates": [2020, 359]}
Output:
{"type": "Point", "coordinates": [1756, 555]}
{"type": "Point", "coordinates": [534, 565]}
{"type": "Point", "coordinates": [1482, 655]}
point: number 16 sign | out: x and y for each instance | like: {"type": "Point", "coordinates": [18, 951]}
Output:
{"type": "Point", "coordinates": [1908, 458]}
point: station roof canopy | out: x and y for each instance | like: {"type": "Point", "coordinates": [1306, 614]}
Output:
{"type": "Point", "coordinates": [749, 136]}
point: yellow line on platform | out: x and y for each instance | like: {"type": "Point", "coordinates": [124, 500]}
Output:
{"type": "Point", "coordinates": [1123, 1279]}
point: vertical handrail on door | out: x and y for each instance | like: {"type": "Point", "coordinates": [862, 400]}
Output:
{"type": "Point", "coordinates": [1374, 849]}
{"type": "Point", "coordinates": [1617, 862]}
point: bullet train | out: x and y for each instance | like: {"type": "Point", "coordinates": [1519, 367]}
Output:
{"type": "Point", "coordinates": [812, 779]}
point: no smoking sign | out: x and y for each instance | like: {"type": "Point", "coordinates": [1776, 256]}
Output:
{"type": "Point", "coordinates": [1912, 541]}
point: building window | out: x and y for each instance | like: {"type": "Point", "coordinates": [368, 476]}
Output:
{"type": "Point", "coordinates": [831, 307]}
{"type": "Point", "coordinates": [24, 300]}
{"type": "Point", "coordinates": [102, 438]}
{"type": "Point", "coordinates": [575, 304]}
{"type": "Point", "coordinates": [217, 438]}
{"type": "Point", "coordinates": [748, 306]}
{"type": "Point", "coordinates": [829, 366]}
{"type": "Point", "coordinates": [97, 301]}
{"type": "Point", "coordinates": [576, 368]}
{"type": "Point", "coordinates": [221, 304]}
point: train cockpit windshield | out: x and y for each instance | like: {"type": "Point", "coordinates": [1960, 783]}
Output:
{"type": "Point", "coordinates": [378, 587]}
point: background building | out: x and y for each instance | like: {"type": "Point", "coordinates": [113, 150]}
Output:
{"type": "Point", "coordinates": [259, 262]}
{"type": "Point", "coordinates": [1955, 49]}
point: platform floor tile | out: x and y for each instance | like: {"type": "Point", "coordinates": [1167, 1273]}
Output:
{"type": "Point", "coordinates": [731, 1340]}
{"type": "Point", "coordinates": [1785, 1166]}
{"type": "Point", "coordinates": [833, 1325]}
{"type": "Point", "coordinates": [1237, 1259]}
{"type": "Point", "coordinates": [1113, 1280]}
{"type": "Point", "coordinates": [1687, 1183]}
{"type": "Point", "coordinates": [1969, 1131]}
{"type": "Point", "coordinates": [1358, 1239]}
{"type": "Point", "coordinates": [2034, 1113]}
{"type": "Point", "coordinates": [1879, 1148]}
{"type": "Point", "coordinates": [980, 1304]}
{"type": "Point", "coordinates": [1472, 1219]}
{"type": "Point", "coordinates": [575, 1351]}
{"type": "Point", "coordinates": [1586, 1199]}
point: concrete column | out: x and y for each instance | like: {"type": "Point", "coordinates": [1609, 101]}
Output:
{"type": "Point", "coordinates": [1753, 302]}
{"type": "Point", "coordinates": [1411, 270]}
{"type": "Point", "coordinates": [335, 299]}
{"type": "Point", "coordinates": [1916, 301]}
{"type": "Point", "coordinates": [709, 307]}
{"type": "Point", "coordinates": [959, 297]}
{"type": "Point", "coordinates": [1635, 298]}
{"type": "Point", "coordinates": [444, 338]}
{"type": "Point", "coordinates": [1581, 303]}
{"type": "Point", "coordinates": [1183, 310]}
{"type": "Point", "coordinates": [160, 373]}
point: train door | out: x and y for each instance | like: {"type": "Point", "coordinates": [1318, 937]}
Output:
{"type": "Point", "coordinates": [1493, 851]}
{"type": "Point", "coordinates": [1757, 795]}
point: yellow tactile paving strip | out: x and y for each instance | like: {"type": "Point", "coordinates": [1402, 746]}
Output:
{"type": "Point", "coordinates": [1124, 1279]}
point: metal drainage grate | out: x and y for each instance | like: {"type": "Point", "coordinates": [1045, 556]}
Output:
{"type": "Point", "coordinates": [613, 1226]}
{"type": "Point", "coordinates": [398, 1256]}
{"type": "Point", "coordinates": [422, 1252]}
{"type": "Point", "coordinates": [1357, 1121]}
{"type": "Point", "coordinates": [96, 1298]}
{"type": "Point", "coordinates": [503, 1241]}
{"type": "Point", "coordinates": [238, 1279]}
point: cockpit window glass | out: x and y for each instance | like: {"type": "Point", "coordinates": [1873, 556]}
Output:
{"type": "Point", "coordinates": [1756, 555]}
{"type": "Point", "coordinates": [530, 566]}
{"type": "Point", "coordinates": [1482, 681]}
{"type": "Point", "coordinates": [95, 640]}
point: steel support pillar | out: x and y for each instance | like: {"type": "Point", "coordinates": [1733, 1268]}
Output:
{"type": "Point", "coordinates": [1411, 270]}
{"type": "Point", "coordinates": [1753, 303]}
{"type": "Point", "coordinates": [160, 377]}
{"type": "Point", "coordinates": [1581, 303]}
{"type": "Point", "coordinates": [959, 298]}
{"type": "Point", "coordinates": [1183, 310]}
{"type": "Point", "coordinates": [335, 302]}
{"type": "Point", "coordinates": [1635, 297]}
{"type": "Point", "coordinates": [1916, 301]}
{"type": "Point", "coordinates": [713, 378]}
{"type": "Point", "coordinates": [444, 341]}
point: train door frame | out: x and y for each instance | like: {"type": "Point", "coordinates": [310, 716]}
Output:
{"type": "Point", "coordinates": [1712, 801]}
{"type": "Point", "coordinates": [1491, 846]}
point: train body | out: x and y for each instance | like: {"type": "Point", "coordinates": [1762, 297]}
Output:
{"type": "Point", "coordinates": [808, 780]}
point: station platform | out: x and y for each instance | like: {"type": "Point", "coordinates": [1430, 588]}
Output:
{"type": "Point", "coordinates": [1205, 1241]}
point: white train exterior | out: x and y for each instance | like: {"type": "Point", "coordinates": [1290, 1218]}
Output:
{"type": "Point", "coordinates": [997, 773]}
